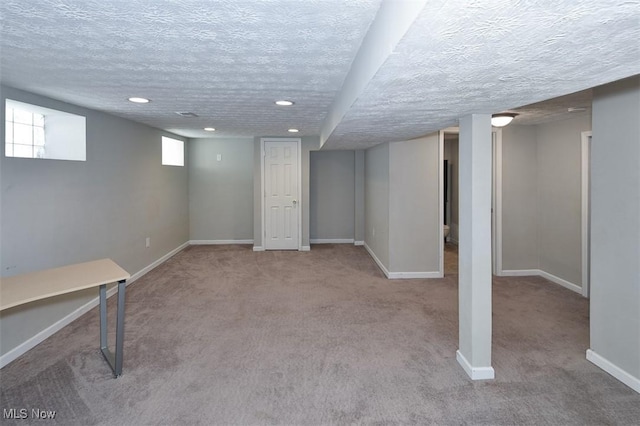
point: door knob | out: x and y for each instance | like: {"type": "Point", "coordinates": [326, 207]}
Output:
{"type": "Point", "coordinates": [295, 202]}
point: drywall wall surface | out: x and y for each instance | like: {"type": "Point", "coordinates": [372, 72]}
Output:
{"type": "Point", "coordinates": [56, 212]}
{"type": "Point", "coordinates": [520, 246]}
{"type": "Point", "coordinates": [309, 143]}
{"type": "Point", "coordinates": [615, 225]}
{"type": "Point", "coordinates": [414, 225]}
{"type": "Point", "coordinates": [359, 231]}
{"type": "Point", "coordinates": [451, 154]}
{"type": "Point", "coordinates": [332, 195]}
{"type": "Point", "coordinates": [221, 189]}
{"type": "Point", "coordinates": [559, 197]}
{"type": "Point", "coordinates": [376, 211]}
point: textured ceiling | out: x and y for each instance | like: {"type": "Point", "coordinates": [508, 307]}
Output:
{"type": "Point", "coordinates": [227, 61]}
{"type": "Point", "coordinates": [461, 57]}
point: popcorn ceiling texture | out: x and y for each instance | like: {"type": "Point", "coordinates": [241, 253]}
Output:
{"type": "Point", "coordinates": [462, 57]}
{"type": "Point", "coordinates": [227, 61]}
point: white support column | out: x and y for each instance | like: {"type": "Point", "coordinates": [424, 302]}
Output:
{"type": "Point", "coordinates": [474, 280]}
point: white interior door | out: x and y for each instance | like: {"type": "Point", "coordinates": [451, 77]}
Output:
{"type": "Point", "coordinates": [281, 197]}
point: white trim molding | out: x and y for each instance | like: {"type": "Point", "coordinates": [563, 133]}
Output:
{"type": "Point", "coordinates": [401, 275]}
{"type": "Point", "coordinates": [441, 218]}
{"type": "Point", "coordinates": [414, 275]}
{"type": "Point", "coordinates": [383, 268]}
{"type": "Point", "coordinates": [540, 273]}
{"type": "Point", "coordinates": [258, 248]}
{"type": "Point", "coordinates": [475, 373]}
{"type": "Point", "coordinates": [218, 242]}
{"type": "Point", "coordinates": [331, 241]}
{"type": "Point", "coordinates": [305, 248]}
{"type": "Point", "coordinates": [614, 370]}
{"type": "Point", "coordinates": [496, 202]}
{"type": "Point", "coordinates": [585, 155]}
{"type": "Point", "coordinates": [60, 324]}
{"type": "Point", "coordinates": [358, 243]}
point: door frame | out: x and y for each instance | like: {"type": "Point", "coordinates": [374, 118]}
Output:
{"type": "Point", "coordinates": [263, 195]}
{"type": "Point", "coordinates": [496, 201]}
{"type": "Point", "coordinates": [585, 156]}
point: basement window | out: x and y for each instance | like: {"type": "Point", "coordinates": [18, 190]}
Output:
{"type": "Point", "coordinates": [172, 152]}
{"type": "Point", "coordinates": [32, 131]}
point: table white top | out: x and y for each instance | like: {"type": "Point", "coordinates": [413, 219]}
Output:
{"type": "Point", "coordinates": [34, 286]}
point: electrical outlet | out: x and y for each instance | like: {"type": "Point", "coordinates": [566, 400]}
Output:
{"type": "Point", "coordinates": [219, 157]}
{"type": "Point", "coordinates": [147, 242]}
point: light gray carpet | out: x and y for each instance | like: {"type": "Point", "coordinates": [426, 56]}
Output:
{"type": "Point", "coordinates": [224, 335]}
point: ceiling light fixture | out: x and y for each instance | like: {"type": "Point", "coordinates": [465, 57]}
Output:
{"type": "Point", "coordinates": [210, 129]}
{"type": "Point", "coordinates": [284, 103]}
{"type": "Point", "coordinates": [293, 130]}
{"type": "Point", "coordinates": [502, 119]}
{"type": "Point", "coordinates": [137, 100]}
{"type": "Point", "coordinates": [576, 109]}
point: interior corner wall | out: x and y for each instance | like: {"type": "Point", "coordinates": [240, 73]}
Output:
{"type": "Point", "coordinates": [520, 246]}
{"type": "Point", "coordinates": [414, 208]}
{"type": "Point", "coordinates": [221, 191]}
{"type": "Point", "coordinates": [57, 212]}
{"type": "Point", "coordinates": [376, 211]}
{"type": "Point", "coordinates": [615, 227]}
{"type": "Point", "coordinates": [560, 197]}
{"type": "Point", "coordinates": [332, 195]}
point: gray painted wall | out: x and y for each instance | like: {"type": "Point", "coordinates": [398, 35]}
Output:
{"type": "Point", "coordinates": [332, 195]}
{"type": "Point", "coordinates": [414, 224]}
{"type": "Point", "coordinates": [221, 192]}
{"type": "Point", "coordinates": [376, 198]}
{"type": "Point", "coordinates": [615, 225]}
{"type": "Point", "coordinates": [541, 197]}
{"type": "Point", "coordinates": [61, 212]}
{"type": "Point", "coordinates": [359, 196]}
{"type": "Point", "coordinates": [559, 197]}
{"type": "Point", "coordinates": [520, 245]}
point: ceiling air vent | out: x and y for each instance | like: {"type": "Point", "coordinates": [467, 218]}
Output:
{"type": "Point", "coordinates": [186, 114]}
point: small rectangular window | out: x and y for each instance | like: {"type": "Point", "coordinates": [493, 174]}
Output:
{"type": "Point", "coordinates": [172, 152]}
{"type": "Point", "coordinates": [37, 132]}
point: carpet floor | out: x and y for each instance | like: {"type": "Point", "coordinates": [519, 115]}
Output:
{"type": "Point", "coordinates": [225, 335]}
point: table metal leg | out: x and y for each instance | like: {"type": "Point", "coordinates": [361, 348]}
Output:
{"type": "Point", "coordinates": [115, 362]}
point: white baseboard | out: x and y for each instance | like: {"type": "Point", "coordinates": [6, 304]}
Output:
{"type": "Point", "coordinates": [540, 273]}
{"type": "Point", "coordinates": [358, 243]}
{"type": "Point", "coordinates": [614, 370]}
{"type": "Point", "coordinates": [218, 242]}
{"type": "Point", "coordinates": [331, 241]}
{"type": "Point", "coordinates": [59, 325]}
{"type": "Point", "coordinates": [258, 248]}
{"type": "Point", "coordinates": [414, 275]}
{"type": "Point", "coordinates": [375, 258]}
{"type": "Point", "coordinates": [520, 272]}
{"type": "Point", "coordinates": [564, 283]}
{"type": "Point", "coordinates": [305, 248]}
{"type": "Point", "coordinates": [475, 373]}
{"type": "Point", "coordinates": [400, 275]}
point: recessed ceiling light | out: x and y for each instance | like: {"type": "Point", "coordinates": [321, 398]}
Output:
{"type": "Point", "coordinates": [293, 130]}
{"type": "Point", "coordinates": [210, 129]}
{"type": "Point", "coordinates": [137, 100]}
{"type": "Point", "coordinates": [284, 103]}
